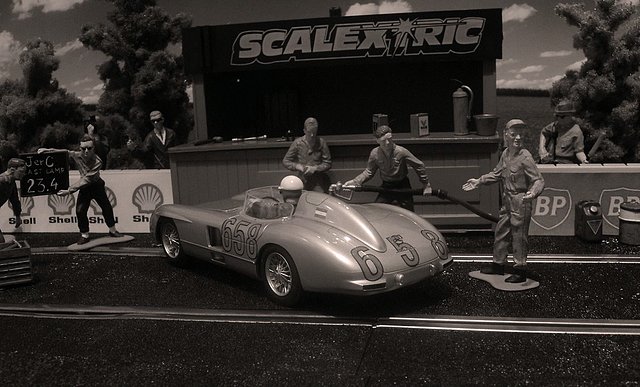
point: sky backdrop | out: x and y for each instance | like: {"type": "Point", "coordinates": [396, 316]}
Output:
{"type": "Point", "coordinates": [537, 46]}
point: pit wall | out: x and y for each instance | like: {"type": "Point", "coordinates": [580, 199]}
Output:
{"type": "Point", "coordinates": [134, 195]}
{"type": "Point", "coordinates": [565, 185]}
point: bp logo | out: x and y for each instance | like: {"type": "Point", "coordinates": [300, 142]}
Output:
{"type": "Point", "coordinates": [147, 197]}
{"type": "Point", "coordinates": [552, 208]}
{"type": "Point", "coordinates": [61, 205]}
{"type": "Point", "coordinates": [610, 200]}
{"type": "Point", "coordinates": [112, 199]}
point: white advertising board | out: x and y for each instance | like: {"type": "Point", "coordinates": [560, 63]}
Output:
{"type": "Point", "coordinates": [134, 194]}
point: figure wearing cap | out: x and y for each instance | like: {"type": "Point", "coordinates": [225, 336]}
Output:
{"type": "Point", "coordinates": [156, 142]}
{"type": "Point", "coordinates": [16, 169]}
{"type": "Point", "coordinates": [392, 161]}
{"type": "Point", "coordinates": [562, 141]}
{"type": "Point", "coordinates": [309, 156]}
{"type": "Point", "coordinates": [521, 183]}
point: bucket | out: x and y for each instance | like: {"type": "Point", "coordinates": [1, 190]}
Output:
{"type": "Point", "coordinates": [629, 217]}
{"type": "Point", "coordinates": [486, 124]}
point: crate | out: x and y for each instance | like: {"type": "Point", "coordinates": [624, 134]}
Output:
{"type": "Point", "coordinates": [15, 263]}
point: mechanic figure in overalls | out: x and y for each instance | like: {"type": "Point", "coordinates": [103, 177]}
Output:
{"type": "Point", "coordinates": [392, 161]}
{"type": "Point", "coordinates": [521, 183]}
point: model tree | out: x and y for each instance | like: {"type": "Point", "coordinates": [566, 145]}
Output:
{"type": "Point", "coordinates": [35, 111]}
{"type": "Point", "coordinates": [141, 74]}
{"type": "Point", "coordinates": [606, 89]}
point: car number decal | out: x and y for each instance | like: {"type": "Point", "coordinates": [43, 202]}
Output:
{"type": "Point", "coordinates": [240, 237]}
{"type": "Point", "coordinates": [407, 252]}
{"type": "Point", "coordinates": [438, 244]}
{"type": "Point", "coordinates": [369, 264]}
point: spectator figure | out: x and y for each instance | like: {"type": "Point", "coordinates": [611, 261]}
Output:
{"type": "Point", "coordinates": [309, 156]}
{"type": "Point", "coordinates": [90, 187]}
{"type": "Point", "coordinates": [156, 142]}
{"type": "Point", "coordinates": [392, 161]}
{"type": "Point", "coordinates": [562, 141]}
{"type": "Point", "coordinates": [521, 183]}
{"type": "Point", "coordinates": [16, 169]}
{"type": "Point", "coordinates": [100, 142]}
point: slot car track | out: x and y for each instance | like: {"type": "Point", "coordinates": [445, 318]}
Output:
{"type": "Point", "coordinates": [123, 315]}
{"type": "Point", "coordinates": [293, 317]}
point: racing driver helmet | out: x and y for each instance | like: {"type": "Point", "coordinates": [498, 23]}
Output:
{"type": "Point", "coordinates": [291, 188]}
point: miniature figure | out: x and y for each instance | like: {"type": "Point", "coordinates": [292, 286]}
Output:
{"type": "Point", "coordinates": [16, 169]}
{"type": "Point", "coordinates": [90, 187]}
{"type": "Point", "coordinates": [521, 183]}
{"type": "Point", "coordinates": [392, 160]}
{"type": "Point", "coordinates": [562, 141]}
{"type": "Point", "coordinates": [156, 143]}
{"type": "Point", "coordinates": [309, 156]}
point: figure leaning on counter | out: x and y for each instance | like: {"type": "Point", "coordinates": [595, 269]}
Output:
{"type": "Point", "coordinates": [90, 187]}
{"type": "Point", "coordinates": [309, 156]}
{"type": "Point", "coordinates": [521, 183]}
{"type": "Point", "coordinates": [562, 141]}
{"type": "Point", "coordinates": [16, 169]}
{"type": "Point", "coordinates": [392, 161]}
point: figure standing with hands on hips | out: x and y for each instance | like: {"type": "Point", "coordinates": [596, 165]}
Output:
{"type": "Point", "coordinates": [309, 156]}
{"type": "Point", "coordinates": [89, 187]}
{"type": "Point", "coordinates": [521, 183]}
{"type": "Point", "coordinates": [392, 161]}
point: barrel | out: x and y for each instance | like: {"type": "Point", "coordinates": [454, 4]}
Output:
{"type": "Point", "coordinates": [629, 218]}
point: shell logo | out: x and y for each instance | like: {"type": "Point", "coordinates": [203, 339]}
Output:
{"type": "Point", "coordinates": [112, 199]}
{"type": "Point", "coordinates": [147, 197]}
{"type": "Point", "coordinates": [61, 205]}
{"type": "Point", "coordinates": [27, 205]}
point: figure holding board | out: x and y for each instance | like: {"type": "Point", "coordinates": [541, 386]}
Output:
{"type": "Point", "coordinates": [89, 187]}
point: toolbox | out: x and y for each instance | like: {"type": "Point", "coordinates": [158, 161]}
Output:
{"type": "Point", "coordinates": [15, 263]}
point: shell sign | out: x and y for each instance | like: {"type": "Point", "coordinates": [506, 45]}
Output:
{"type": "Point", "coordinates": [134, 195]}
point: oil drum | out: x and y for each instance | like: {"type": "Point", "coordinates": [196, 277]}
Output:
{"type": "Point", "coordinates": [629, 217]}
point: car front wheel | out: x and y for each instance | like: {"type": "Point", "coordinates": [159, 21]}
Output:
{"type": "Point", "coordinates": [171, 243]}
{"type": "Point", "coordinates": [280, 277]}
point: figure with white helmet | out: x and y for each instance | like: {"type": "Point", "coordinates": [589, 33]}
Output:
{"type": "Point", "coordinates": [291, 188]}
{"type": "Point", "coordinates": [521, 183]}
{"type": "Point", "coordinates": [392, 161]}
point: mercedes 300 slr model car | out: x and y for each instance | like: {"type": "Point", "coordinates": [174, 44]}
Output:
{"type": "Point", "coordinates": [322, 244]}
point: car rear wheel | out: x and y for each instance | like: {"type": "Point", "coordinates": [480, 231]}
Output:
{"type": "Point", "coordinates": [171, 243]}
{"type": "Point", "coordinates": [280, 277]}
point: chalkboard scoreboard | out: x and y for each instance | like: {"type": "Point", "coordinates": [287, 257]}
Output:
{"type": "Point", "coordinates": [47, 173]}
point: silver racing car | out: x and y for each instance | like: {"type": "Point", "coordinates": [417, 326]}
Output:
{"type": "Point", "coordinates": [321, 244]}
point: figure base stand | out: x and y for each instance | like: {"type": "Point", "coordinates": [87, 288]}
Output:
{"type": "Point", "coordinates": [498, 281]}
{"type": "Point", "coordinates": [107, 240]}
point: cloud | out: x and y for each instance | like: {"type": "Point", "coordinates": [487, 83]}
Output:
{"type": "Point", "coordinates": [555, 54]}
{"type": "Point", "coordinates": [397, 6]}
{"type": "Point", "coordinates": [23, 8]}
{"type": "Point", "coordinates": [531, 69]}
{"type": "Point", "coordinates": [10, 50]}
{"type": "Point", "coordinates": [576, 65]}
{"type": "Point", "coordinates": [517, 12]}
{"type": "Point", "coordinates": [505, 62]}
{"type": "Point", "coordinates": [68, 47]}
{"type": "Point", "coordinates": [91, 95]}
{"type": "Point", "coordinates": [524, 83]}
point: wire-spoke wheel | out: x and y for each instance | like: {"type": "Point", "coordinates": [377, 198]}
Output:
{"type": "Point", "coordinates": [280, 277]}
{"type": "Point", "coordinates": [171, 242]}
